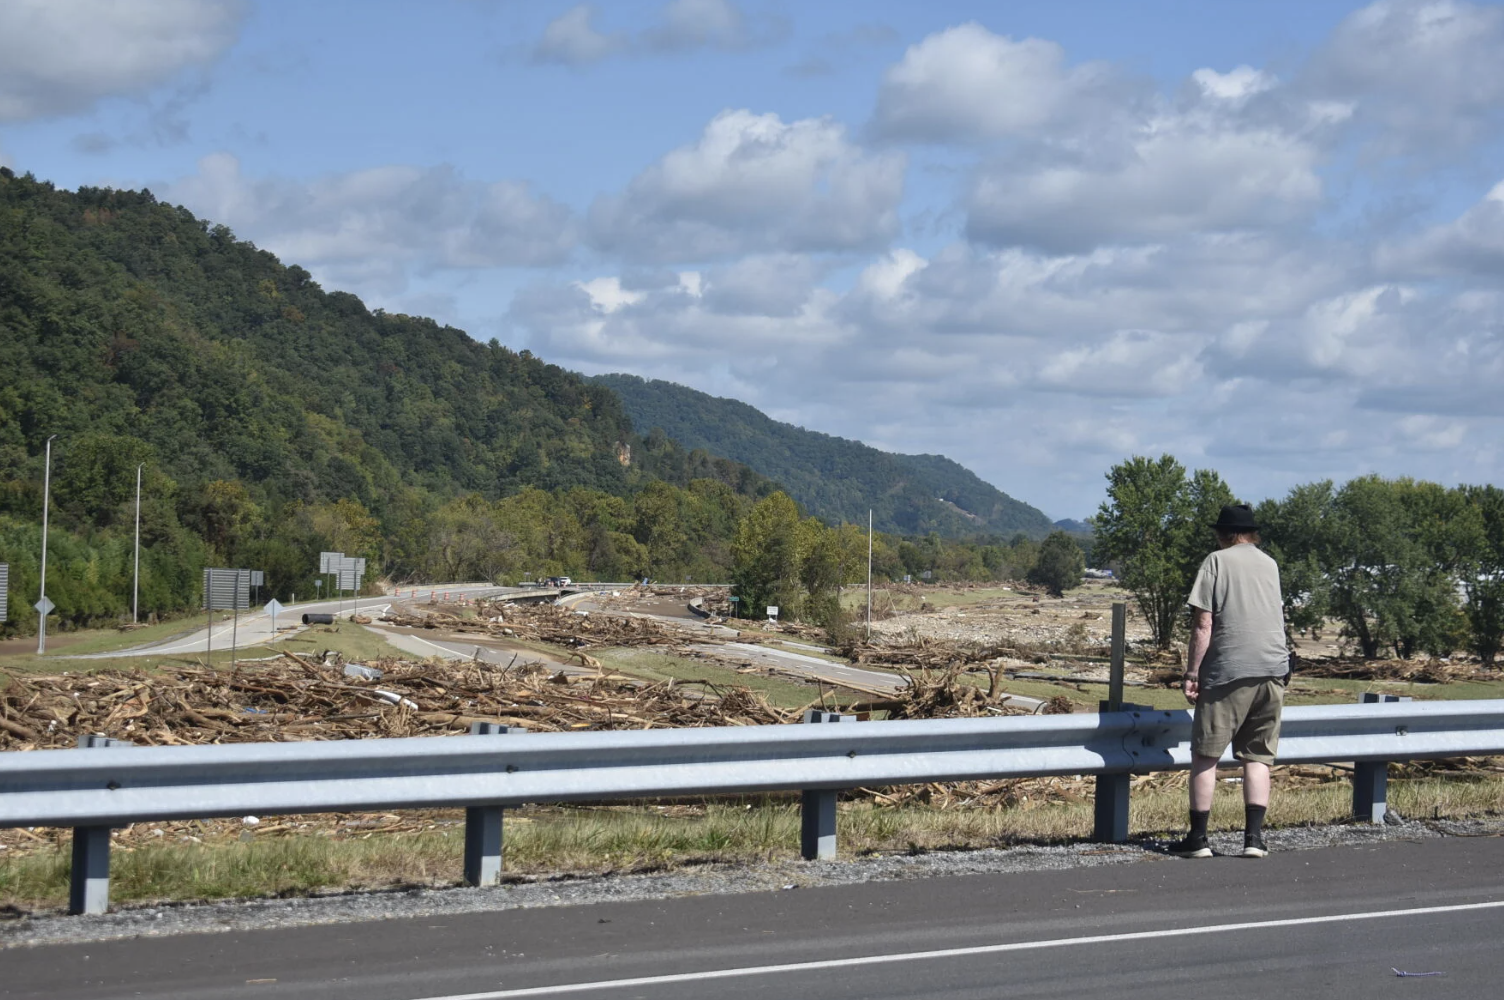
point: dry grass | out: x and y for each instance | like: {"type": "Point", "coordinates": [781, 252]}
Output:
{"type": "Point", "coordinates": [643, 838]}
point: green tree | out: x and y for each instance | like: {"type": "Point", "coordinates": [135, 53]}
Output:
{"type": "Point", "coordinates": [1155, 527]}
{"type": "Point", "coordinates": [768, 559]}
{"type": "Point", "coordinates": [1293, 532]}
{"type": "Point", "coordinates": [1482, 570]}
{"type": "Point", "coordinates": [1378, 552]}
{"type": "Point", "coordinates": [1060, 566]}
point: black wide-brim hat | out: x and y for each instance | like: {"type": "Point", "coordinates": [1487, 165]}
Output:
{"type": "Point", "coordinates": [1236, 517]}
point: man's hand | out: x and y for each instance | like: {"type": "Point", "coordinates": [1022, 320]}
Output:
{"type": "Point", "coordinates": [1201, 641]}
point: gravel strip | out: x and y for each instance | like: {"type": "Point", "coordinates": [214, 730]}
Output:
{"type": "Point", "coordinates": [20, 930]}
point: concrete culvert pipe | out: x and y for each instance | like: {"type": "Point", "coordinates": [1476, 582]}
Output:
{"type": "Point", "coordinates": [318, 619]}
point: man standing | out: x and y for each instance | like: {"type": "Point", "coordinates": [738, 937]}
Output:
{"type": "Point", "coordinates": [1235, 674]}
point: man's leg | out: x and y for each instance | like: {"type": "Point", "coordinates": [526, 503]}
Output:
{"type": "Point", "coordinates": [1255, 784]}
{"type": "Point", "coordinates": [1255, 804]}
{"type": "Point", "coordinates": [1203, 783]}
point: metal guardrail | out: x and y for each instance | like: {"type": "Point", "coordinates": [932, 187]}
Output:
{"type": "Point", "coordinates": [94, 789]}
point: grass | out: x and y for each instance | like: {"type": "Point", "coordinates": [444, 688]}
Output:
{"type": "Point", "coordinates": [353, 642]}
{"type": "Point", "coordinates": [653, 666]}
{"type": "Point", "coordinates": [642, 838]}
{"type": "Point", "coordinates": [106, 640]}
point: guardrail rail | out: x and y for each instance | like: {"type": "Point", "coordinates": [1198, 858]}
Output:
{"type": "Point", "coordinates": [106, 784]}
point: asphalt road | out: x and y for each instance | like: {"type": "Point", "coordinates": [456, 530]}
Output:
{"type": "Point", "coordinates": [1332, 923]}
{"type": "Point", "coordinates": [255, 626]}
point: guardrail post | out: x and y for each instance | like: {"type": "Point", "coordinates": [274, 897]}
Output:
{"type": "Point", "coordinates": [1110, 808]}
{"type": "Point", "coordinates": [1371, 777]}
{"type": "Point", "coordinates": [1370, 790]}
{"type": "Point", "coordinates": [89, 880]}
{"type": "Point", "coordinates": [483, 824]}
{"type": "Point", "coordinates": [817, 806]}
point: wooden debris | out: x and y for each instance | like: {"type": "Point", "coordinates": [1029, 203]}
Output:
{"type": "Point", "coordinates": [293, 699]}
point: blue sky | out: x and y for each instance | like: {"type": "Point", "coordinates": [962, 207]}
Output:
{"type": "Point", "coordinates": [1036, 237]}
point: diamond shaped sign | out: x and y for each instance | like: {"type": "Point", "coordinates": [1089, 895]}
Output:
{"type": "Point", "coordinates": [44, 606]}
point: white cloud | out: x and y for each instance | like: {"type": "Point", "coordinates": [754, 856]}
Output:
{"type": "Point", "coordinates": [1179, 173]}
{"type": "Point", "coordinates": [754, 184]}
{"type": "Point", "coordinates": [372, 226]}
{"type": "Point", "coordinates": [1236, 85]}
{"type": "Point", "coordinates": [966, 84]}
{"type": "Point", "coordinates": [61, 56]}
{"type": "Point", "coordinates": [572, 39]}
{"type": "Point", "coordinates": [1126, 363]}
{"type": "Point", "coordinates": [607, 295]}
{"type": "Point", "coordinates": [1471, 245]}
{"type": "Point", "coordinates": [1084, 155]}
{"type": "Point", "coordinates": [768, 285]}
{"type": "Point", "coordinates": [691, 24]}
{"type": "Point", "coordinates": [682, 25]}
{"type": "Point", "coordinates": [1420, 74]}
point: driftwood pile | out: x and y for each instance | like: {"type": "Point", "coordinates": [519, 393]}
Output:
{"type": "Point", "coordinates": [555, 625]}
{"type": "Point", "coordinates": [292, 698]}
{"type": "Point", "coordinates": [1419, 671]}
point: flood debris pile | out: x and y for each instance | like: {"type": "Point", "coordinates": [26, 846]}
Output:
{"type": "Point", "coordinates": [555, 625]}
{"type": "Point", "coordinates": [293, 698]}
{"type": "Point", "coordinates": [946, 694]}
{"type": "Point", "coordinates": [1419, 671]}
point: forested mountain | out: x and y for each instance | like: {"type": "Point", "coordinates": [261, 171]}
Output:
{"type": "Point", "coordinates": [835, 479]}
{"type": "Point", "coordinates": [273, 417]}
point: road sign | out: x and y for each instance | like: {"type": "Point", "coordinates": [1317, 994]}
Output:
{"type": "Point", "coordinates": [258, 578]}
{"type": "Point", "coordinates": [772, 611]}
{"type": "Point", "coordinates": [349, 571]}
{"type": "Point", "coordinates": [734, 598]}
{"type": "Point", "coordinates": [4, 590]}
{"type": "Point", "coordinates": [329, 561]}
{"type": "Point", "coordinates": [226, 589]}
{"type": "Point", "coordinates": [273, 607]}
{"type": "Point", "coordinates": [44, 606]}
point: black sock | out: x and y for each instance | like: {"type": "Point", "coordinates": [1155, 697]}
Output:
{"type": "Point", "coordinates": [1199, 819]}
{"type": "Point", "coordinates": [1253, 820]}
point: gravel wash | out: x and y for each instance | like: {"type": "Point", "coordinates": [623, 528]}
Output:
{"type": "Point", "coordinates": [140, 920]}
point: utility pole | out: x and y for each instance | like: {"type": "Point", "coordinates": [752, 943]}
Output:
{"type": "Point", "coordinates": [42, 597]}
{"type": "Point", "coordinates": [136, 580]}
{"type": "Point", "coordinates": [869, 574]}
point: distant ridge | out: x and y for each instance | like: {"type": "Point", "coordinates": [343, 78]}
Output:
{"type": "Point", "coordinates": [833, 478]}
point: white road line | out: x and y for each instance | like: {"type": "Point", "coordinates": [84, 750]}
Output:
{"type": "Point", "coordinates": [987, 949]}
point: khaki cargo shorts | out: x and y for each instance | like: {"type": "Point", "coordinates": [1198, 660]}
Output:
{"type": "Point", "coordinates": [1244, 713]}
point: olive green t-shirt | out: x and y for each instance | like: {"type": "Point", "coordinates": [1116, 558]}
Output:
{"type": "Point", "coordinates": [1239, 585]}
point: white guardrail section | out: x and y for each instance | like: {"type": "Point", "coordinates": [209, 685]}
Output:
{"type": "Point", "coordinates": [94, 788]}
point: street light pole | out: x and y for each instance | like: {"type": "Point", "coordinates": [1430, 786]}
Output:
{"type": "Point", "coordinates": [136, 580]}
{"type": "Point", "coordinates": [42, 597]}
{"type": "Point", "coordinates": [869, 575]}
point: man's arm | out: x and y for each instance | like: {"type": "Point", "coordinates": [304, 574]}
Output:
{"type": "Point", "coordinates": [1201, 640]}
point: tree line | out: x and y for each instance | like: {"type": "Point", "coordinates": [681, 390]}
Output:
{"type": "Point", "coordinates": [1404, 567]}
{"type": "Point", "coordinates": [705, 531]}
